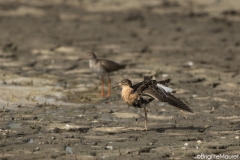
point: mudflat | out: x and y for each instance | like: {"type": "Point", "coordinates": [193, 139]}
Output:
{"type": "Point", "coordinates": [49, 99]}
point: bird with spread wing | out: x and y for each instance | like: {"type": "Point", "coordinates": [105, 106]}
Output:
{"type": "Point", "coordinates": [141, 94]}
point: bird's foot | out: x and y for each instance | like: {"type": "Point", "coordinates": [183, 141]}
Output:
{"type": "Point", "coordinates": [186, 117]}
{"type": "Point", "coordinates": [101, 94]}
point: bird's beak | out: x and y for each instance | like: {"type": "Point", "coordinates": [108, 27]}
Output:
{"type": "Point", "coordinates": [82, 58]}
{"type": "Point", "coordinates": [116, 86]}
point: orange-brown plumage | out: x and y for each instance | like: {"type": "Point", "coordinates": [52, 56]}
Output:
{"type": "Point", "coordinates": [128, 96]}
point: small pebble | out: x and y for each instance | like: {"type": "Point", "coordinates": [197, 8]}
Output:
{"type": "Point", "coordinates": [110, 111]}
{"type": "Point", "coordinates": [190, 63]}
{"type": "Point", "coordinates": [236, 137]}
{"type": "Point", "coordinates": [36, 149]}
{"type": "Point", "coordinates": [109, 147]}
{"type": "Point", "coordinates": [164, 75]}
{"type": "Point", "coordinates": [194, 95]}
{"type": "Point", "coordinates": [199, 142]}
{"type": "Point", "coordinates": [185, 144]}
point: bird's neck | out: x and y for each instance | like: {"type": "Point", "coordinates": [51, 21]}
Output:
{"type": "Point", "coordinates": [127, 95]}
{"type": "Point", "coordinates": [93, 61]}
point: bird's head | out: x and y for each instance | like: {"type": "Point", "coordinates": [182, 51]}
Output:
{"type": "Point", "coordinates": [90, 55]}
{"type": "Point", "coordinates": [124, 83]}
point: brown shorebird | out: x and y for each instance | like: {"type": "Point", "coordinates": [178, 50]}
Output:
{"type": "Point", "coordinates": [140, 94]}
{"type": "Point", "coordinates": [103, 67]}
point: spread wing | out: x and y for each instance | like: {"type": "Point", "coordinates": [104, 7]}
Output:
{"type": "Point", "coordinates": [147, 82]}
{"type": "Point", "coordinates": [152, 92]}
{"type": "Point", "coordinates": [158, 91]}
{"type": "Point", "coordinates": [174, 101]}
{"type": "Point", "coordinates": [177, 103]}
{"type": "Point", "coordinates": [162, 95]}
{"type": "Point", "coordinates": [111, 66]}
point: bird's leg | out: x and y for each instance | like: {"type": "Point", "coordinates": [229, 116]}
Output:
{"type": "Point", "coordinates": [109, 86]}
{"type": "Point", "coordinates": [102, 92]}
{"type": "Point", "coordinates": [183, 113]}
{"type": "Point", "coordinates": [145, 121]}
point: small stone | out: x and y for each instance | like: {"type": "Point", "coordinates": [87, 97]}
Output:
{"type": "Point", "coordinates": [194, 95]}
{"type": "Point", "coordinates": [36, 149]}
{"type": "Point", "coordinates": [199, 142]}
{"type": "Point", "coordinates": [208, 126]}
{"type": "Point", "coordinates": [109, 147]}
{"type": "Point", "coordinates": [185, 144]}
{"type": "Point", "coordinates": [188, 64]}
{"type": "Point", "coordinates": [164, 75]}
{"type": "Point", "coordinates": [184, 148]}
{"type": "Point", "coordinates": [236, 137]}
{"type": "Point", "coordinates": [110, 111]}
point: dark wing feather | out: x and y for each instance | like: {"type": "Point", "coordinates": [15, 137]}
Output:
{"type": "Point", "coordinates": [161, 95]}
{"type": "Point", "coordinates": [136, 86]}
{"type": "Point", "coordinates": [139, 87]}
{"type": "Point", "coordinates": [164, 81]}
{"type": "Point", "coordinates": [146, 83]}
{"type": "Point", "coordinates": [152, 92]}
{"type": "Point", "coordinates": [111, 66]}
{"type": "Point", "coordinates": [175, 101]}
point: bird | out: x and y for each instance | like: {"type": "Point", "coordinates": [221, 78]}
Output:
{"type": "Point", "coordinates": [142, 93]}
{"type": "Point", "coordinates": [103, 67]}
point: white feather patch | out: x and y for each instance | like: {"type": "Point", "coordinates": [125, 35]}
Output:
{"type": "Point", "coordinates": [167, 89]}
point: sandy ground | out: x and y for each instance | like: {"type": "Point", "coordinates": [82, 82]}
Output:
{"type": "Point", "coordinates": [49, 105]}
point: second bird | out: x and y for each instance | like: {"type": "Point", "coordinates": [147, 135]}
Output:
{"type": "Point", "coordinates": [103, 67]}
